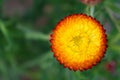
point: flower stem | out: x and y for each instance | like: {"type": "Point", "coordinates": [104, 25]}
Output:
{"type": "Point", "coordinates": [89, 10]}
{"type": "Point", "coordinates": [92, 8]}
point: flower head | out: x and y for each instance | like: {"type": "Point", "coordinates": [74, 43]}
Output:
{"type": "Point", "coordinates": [78, 42]}
{"type": "Point", "coordinates": [90, 2]}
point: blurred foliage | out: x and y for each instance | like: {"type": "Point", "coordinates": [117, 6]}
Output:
{"type": "Point", "coordinates": [25, 53]}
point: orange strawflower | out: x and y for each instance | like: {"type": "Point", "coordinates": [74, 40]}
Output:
{"type": "Point", "coordinates": [78, 42]}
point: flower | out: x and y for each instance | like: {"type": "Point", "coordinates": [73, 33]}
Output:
{"type": "Point", "coordinates": [78, 42]}
{"type": "Point", "coordinates": [90, 2]}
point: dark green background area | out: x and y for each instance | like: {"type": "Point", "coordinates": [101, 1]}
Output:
{"type": "Point", "coordinates": [25, 26]}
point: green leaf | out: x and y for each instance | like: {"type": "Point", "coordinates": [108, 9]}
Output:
{"type": "Point", "coordinates": [115, 8]}
{"type": "Point", "coordinates": [31, 34]}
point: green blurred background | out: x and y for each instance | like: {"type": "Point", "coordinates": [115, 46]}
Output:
{"type": "Point", "coordinates": [25, 26]}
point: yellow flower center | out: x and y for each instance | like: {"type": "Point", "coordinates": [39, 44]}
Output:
{"type": "Point", "coordinates": [78, 43]}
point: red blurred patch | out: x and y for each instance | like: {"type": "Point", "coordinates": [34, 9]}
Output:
{"type": "Point", "coordinates": [90, 2]}
{"type": "Point", "coordinates": [110, 66]}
